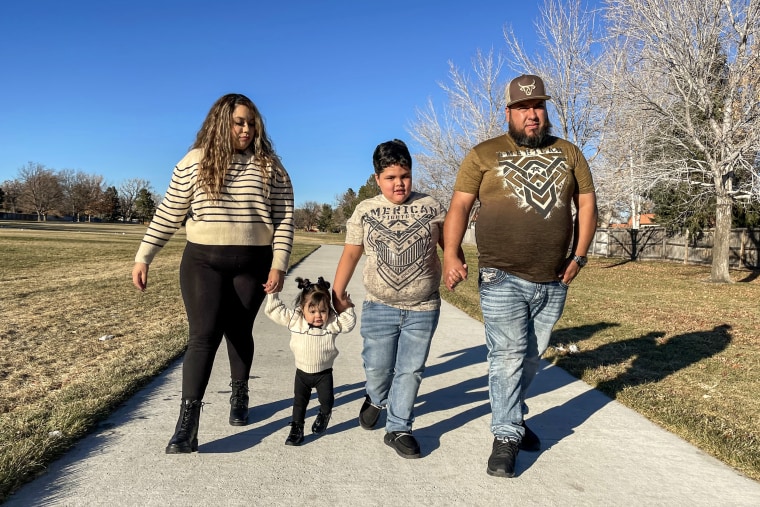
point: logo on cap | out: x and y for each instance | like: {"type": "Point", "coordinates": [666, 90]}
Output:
{"type": "Point", "coordinates": [527, 89]}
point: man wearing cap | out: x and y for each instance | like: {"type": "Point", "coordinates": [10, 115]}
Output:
{"type": "Point", "coordinates": [530, 248]}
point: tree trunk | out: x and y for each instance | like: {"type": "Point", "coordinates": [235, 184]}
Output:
{"type": "Point", "coordinates": [720, 251]}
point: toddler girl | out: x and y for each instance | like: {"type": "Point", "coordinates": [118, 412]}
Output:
{"type": "Point", "coordinates": [313, 326]}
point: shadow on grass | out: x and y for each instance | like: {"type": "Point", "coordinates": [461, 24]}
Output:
{"type": "Point", "coordinates": [621, 263]}
{"type": "Point", "coordinates": [578, 334]}
{"type": "Point", "coordinates": [651, 358]}
{"type": "Point", "coordinates": [751, 276]}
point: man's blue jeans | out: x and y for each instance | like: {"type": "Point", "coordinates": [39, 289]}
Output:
{"type": "Point", "coordinates": [519, 316]}
{"type": "Point", "coordinates": [396, 346]}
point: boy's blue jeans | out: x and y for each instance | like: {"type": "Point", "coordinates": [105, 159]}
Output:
{"type": "Point", "coordinates": [396, 346]}
{"type": "Point", "coordinates": [519, 316]}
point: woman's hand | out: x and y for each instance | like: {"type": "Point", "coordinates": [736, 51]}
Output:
{"type": "Point", "coordinates": [140, 275]}
{"type": "Point", "coordinates": [275, 281]}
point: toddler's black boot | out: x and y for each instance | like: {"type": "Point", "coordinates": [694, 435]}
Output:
{"type": "Point", "coordinates": [296, 434]}
{"type": "Point", "coordinates": [185, 437]}
{"type": "Point", "coordinates": [320, 423]}
{"type": "Point", "coordinates": [239, 403]}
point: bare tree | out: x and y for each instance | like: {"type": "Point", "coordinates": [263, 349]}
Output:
{"type": "Point", "coordinates": [93, 189]}
{"type": "Point", "coordinates": [621, 169]}
{"type": "Point", "coordinates": [12, 190]}
{"type": "Point", "coordinates": [307, 215]}
{"type": "Point", "coordinates": [128, 192]}
{"type": "Point", "coordinates": [568, 61]}
{"type": "Point", "coordinates": [474, 112]}
{"type": "Point", "coordinates": [40, 189]}
{"type": "Point", "coordinates": [700, 64]}
{"type": "Point", "coordinates": [82, 193]}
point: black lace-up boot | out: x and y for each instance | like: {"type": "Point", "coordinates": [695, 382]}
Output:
{"type": "Point", "coordinates": [239, 403]}
{"type": "Point", "coordinates": [296, 434]}
{"type": "Point", "coordinates": [320, 423]}
{"type": "Point", "coordinates": [185, 437]}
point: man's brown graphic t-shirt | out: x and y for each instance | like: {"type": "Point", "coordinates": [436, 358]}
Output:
{"type": "Point", "coordinates": [525, 222]}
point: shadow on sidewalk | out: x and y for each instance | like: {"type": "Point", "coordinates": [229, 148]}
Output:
{"type": "Point", "coordinates": [344, 394]}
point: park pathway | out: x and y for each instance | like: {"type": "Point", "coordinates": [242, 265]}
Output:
{"type": "Point", "coordinates": [595, 452]}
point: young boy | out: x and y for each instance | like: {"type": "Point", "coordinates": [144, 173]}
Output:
{"type": "Point", "coordinates": [399, 231]}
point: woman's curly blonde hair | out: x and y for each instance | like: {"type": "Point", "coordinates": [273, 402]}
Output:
{"type": "Point", "coordinates": [214, 139]}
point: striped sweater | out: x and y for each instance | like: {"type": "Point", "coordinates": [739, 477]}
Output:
{"type": "Point", "coordinates": [249, 211]}
{"type": "Point", "coordinates": [313, 347]}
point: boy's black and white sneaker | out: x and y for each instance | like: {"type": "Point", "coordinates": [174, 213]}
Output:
{"type": "Point", "coordinates": [320, 423]}
{"type": "Point", "coordinates": [530, 441]}
{"type": "Point", "coordinates": [501, 463]}
{"type": "Point", "coordinates": [369, 414]}
{"type": "Point", "coordinates": [404, 443]}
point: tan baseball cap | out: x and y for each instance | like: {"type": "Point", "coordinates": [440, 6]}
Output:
{"type": "Point", "coordinates": [526, 87]}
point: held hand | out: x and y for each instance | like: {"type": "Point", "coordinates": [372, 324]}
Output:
{"type": "Point", "coordinates": [140, 275]}
{"type": "Point", "coordinates": [342, 302]}
{"type": "Point", "coordinates": [275, 281]}
{"type": "Point", "coordinates": [454, 273]}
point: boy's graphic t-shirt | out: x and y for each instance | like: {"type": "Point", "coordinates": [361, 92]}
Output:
{"type": "Point", "coordinates": [525, 222]}
{"type": "Point", "coordinates": [402, 269]}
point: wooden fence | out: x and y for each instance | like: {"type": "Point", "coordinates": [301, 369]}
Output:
{"type": "Point", "coordinates": [653, 243]}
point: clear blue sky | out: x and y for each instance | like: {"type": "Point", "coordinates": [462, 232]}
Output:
{"type": "Point", "coordinates": [120, 88]}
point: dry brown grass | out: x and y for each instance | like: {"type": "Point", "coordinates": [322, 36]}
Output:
{"type": "Point", "coordinates": [319, 238]}
{"type": "Point", "coordinates": [662, 340]}
{"type": "Point", "coordinates": [62, 287]}
{"type": "Point", "coordinates": [684, 352]}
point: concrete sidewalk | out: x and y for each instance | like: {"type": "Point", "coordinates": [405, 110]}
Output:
{"type": "Point", "coordinates": [595, 451]}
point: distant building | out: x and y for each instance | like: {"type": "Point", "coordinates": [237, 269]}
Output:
{"type": "Point", "coordinates": [645, 220]}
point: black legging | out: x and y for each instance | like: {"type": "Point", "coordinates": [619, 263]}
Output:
{"type": "Point", "coordinates": [222, 287]}
{"type": "Point", "coordinates": [304, 383]}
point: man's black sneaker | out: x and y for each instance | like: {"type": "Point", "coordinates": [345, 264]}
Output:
{"type": "Point", "coordinates": [369, 414]}
{"type": "Point", "coordinates": [530, 441]}
{"type": "Point", "coordinates": [320, 423]}
{"type": "Point", "coordinates": [404, 443]}
{"type": "Point", "coordinates": [501, 463]}
{"type": "Point", "coordinates": [296, 434]}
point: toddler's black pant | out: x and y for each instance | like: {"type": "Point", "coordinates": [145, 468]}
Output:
{"type": "Point", "coordinates": [304, 383]}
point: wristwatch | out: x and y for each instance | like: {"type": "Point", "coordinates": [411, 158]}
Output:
{"type": "Point", "coordinates": [580, 260]}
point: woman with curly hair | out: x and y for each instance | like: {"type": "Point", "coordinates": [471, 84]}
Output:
{"type": "Point", "coordinates": [237, 201]}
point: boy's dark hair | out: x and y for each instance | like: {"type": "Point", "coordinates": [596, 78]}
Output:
{"type": "Point", "coordinates": [313, 293]}
{"type": "Point", "coordinates": [391, 153]}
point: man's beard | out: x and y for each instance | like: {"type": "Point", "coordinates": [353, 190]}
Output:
{"type": "Point", "coordinates": [539, 140]}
